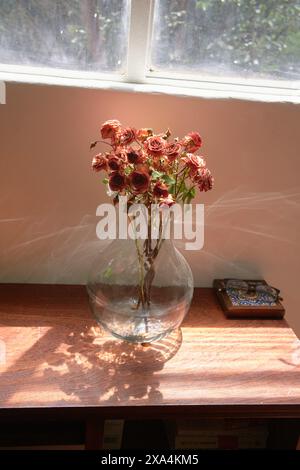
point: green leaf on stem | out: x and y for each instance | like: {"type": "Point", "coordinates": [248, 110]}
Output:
{"type": "Point", "coordinates": [168, 179]}
{"type": "Point", "coordinates": [155, 175]}
{"type": "Point", "coordinates": [182, 187]}
{"type": "Point", "coordinates": [172, 189]}
{"type": "Point", "coordinates": [192, 192]}
{"type": "Point", "coordinates": [189, 195]}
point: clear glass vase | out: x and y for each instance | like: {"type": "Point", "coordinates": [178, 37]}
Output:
{"type": "Point", "coordinates": [140, 290]}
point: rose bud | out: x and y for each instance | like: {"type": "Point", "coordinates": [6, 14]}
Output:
{"type": "Point", "coordinates": [172, 151]}
{"type": "Point", "coordinates": [167, 201]}
{"type": "Point", "coordinates": [194, 162]}
{"type": "Point", "coordinates": [143, 134]}
{"type": "Point", "coordinates": [155, 146]}
{"type": "Point", "coordinates": [139, 181]}
{"type": "Point", "coordinates": [204, 180]}
{"type": "Point", "coordinates": [160, 190]}
{"type": "Point", "coordinates": [116, 181]}
{"type": "Point", "coordinates": [110, 128]}
{"type": "Point", "coordinates": [192, 141]}
{"type": "Point", "coordinates": [127, 135]}
{"type": "Point", "coordinates": [161, 164]}
{"type": "Point", "coordinates": [99, 162]}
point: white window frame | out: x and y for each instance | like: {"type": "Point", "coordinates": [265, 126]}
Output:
{"type": "Point", "coordinates": [138, 76]}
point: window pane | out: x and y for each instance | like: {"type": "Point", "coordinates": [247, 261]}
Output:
{"type": "Point", "coordinates": [88, 35]}
{"type": "Point", "coordinates": [228, 38]}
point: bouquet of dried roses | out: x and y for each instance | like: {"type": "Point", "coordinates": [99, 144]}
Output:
{"type": "Point", "coordinates": [149, 169]}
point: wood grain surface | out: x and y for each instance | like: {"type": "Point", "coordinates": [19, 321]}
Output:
{"type": "Point", "coordinates": [54, 355]}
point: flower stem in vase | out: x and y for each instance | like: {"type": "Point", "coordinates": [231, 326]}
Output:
{"type": "Point", "coordinates": [146, 261]}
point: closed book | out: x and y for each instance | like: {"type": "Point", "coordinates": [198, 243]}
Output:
{"type": "Point", "coordinates": [113, 434]}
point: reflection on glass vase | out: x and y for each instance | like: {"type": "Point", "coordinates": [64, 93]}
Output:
{"type": "Point", "coordinates": [140, 290]}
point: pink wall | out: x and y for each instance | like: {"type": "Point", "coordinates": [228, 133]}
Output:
{"type": "Point", "coordinates": [49, 196]}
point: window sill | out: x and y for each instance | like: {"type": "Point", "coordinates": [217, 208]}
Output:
{"type": "Point", "coordinates": [207, 90]}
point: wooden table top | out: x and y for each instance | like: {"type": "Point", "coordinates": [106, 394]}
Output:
{"type": "Point", "coordinates": [53, 355]}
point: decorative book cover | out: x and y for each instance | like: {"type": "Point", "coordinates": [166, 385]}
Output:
{"type": "Point", "coordinates": [248, 298]}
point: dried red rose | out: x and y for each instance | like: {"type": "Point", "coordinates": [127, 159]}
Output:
{"type": "Point", "coordinates": [172, 151]}
{"type": "Point", "coordinates": [110, 128]}
{"type": "Point", "coordinates": [99, 162]}
{"type": "Point", "coordinates": [127, 135]}
{"type": "Point", "coordinates": [192, 141]}
{"type": "Point", "coordinates": [194, 162]}
{"type": "Point", "coordinates": [114, 163]}
{"type": "Point", "coordinates": [139, 181]}
{"type": "Point", "coordinates": [132, 156]}
{"type": "Point", "coordinates": [116, 181]}
{"type": "Point", "coordinates": [155, 146]}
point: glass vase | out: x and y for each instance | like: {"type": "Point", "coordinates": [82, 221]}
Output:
{"type": "Point", "coordinates": [140, 290]}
